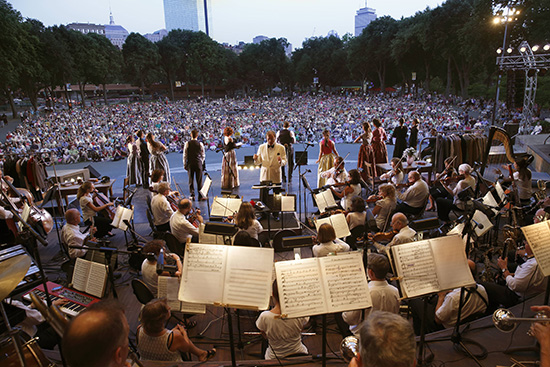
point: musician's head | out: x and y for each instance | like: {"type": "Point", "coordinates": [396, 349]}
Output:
{"type": "Point", "coordinates": [97, 337]}
{"type": "Point", "coordinates": [84, 189]}
{"type": "Point", "coordinates": [245, 216]}
{"type": "Point", "coordinates": [416, 122]}
{"type": "Point", "coordinates": [414, 176]}
{"type": "Point", "coordinates": [153, 316]}
{"type": "Point", "coordinates": [152, 250]}
{"type": "Point", "coordinates": [194, 133]}
{"type": "Point", "coordinates": [354, 177]}
{"type": "Point", "coordinates": [270, 137]}
{"type": "Point", "coordinates": [398, 221]}
{"type": "Point", "coordinates": [130, 139]}
{"type": "Point", "coordinates": [228, 131]}
{"type": "Point", "coordinates": [387, 191]}
{"type": "Point", "coordinates": [339, 161]}
{"type": "Point", "coordinates": [150, 137]}
{"type": "Point", "coordinates": [401, 121]}
{"type": "Point", "coordinates": [139, 134]}
{"type": "Point", "coordinates": [396, 164]}
{"type": "Point", "coordinates": [184, 206]}
{"type": "Point", "coordinates": [72, 216]}
{"type": "Point", "coordinates": [157, 175]}
{"type": "Point", "coordinates": [378, 266]}
{"type": "Point", "coordinates": [376, 123]}
{"type": "Point", "coordinates": [358, 204]}
{"type": "Point", "coordinates": [326, 233]}
{"type": "Point", "coordinates": [164, 188]}
{"type": "Point", "coordinates": [386, 340]}
{"type": "Point", "coordinates": [464, 169]}
{"type": "Point", "coordinates": [286, 124]}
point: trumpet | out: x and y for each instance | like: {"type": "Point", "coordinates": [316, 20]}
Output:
{"type": "Point", "coordinates": [505, 321]}
{"type": "Point", "coordinates": [349, 347]}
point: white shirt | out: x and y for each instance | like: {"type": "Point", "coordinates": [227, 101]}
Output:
{"type": "Point", "coordinates": [460, 186]}
{"type": "Point", "coordinates": [416, 194]}
{"type": "Point", "coordinates": [448, 312]}
{"type": "Point", "coordinates": [524, 187]}
{"type": "Point", "coordinates": [405, 235]}
{"type": "Point", "coordinates": [254, 229]}
{"type": "Point", "coordinates": [162, 211]}
{"type": "Point", "coordinates": [87, 212]}
{"type": "Point", "coordinates": [150, 276]}
{"type": "Point", "coordinates": [346, 199]}
{"type": "Point", "coordinates": [329, 175]}
{"type": "Point", "coordinates": [267, 157]}
{"type": "Point", "coordinates": [356, 219]}
{"type": "Point", "coordinates": [5, 214]}
{"type": "Point", "coordinates": [385, 297]}
{"type": "Point", "coordinates": [72, 236]}
{"type": "Point", "coordinates": [323, 249]}
{"type": "Point", "coordinates": [527, 280]}
{"type": "Point", "coordinates": [181, 228]}
{"type": "Point", "coordinates": [201, 153]}
{"type": "Point", "coordinates": [284, 335]}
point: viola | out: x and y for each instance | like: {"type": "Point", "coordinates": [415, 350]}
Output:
{"type": "Point", "coordinates": [384, 236]}
{"type": "Point", "coordinates": [100, 199]}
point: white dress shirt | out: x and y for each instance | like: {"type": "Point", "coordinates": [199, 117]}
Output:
{"type": "Point", "coordinates": [527, 280]}
{"type": "Point", "coordinates": [72, 236]}
{"type": "Point", "coordinates": [162, 211]}
{"type": "Point", "coordinates": [448, 312]}
{"type": "Point", "coordinates": [323, 249]}
{"type": "Point", "coordinates": [185, 157]}
{"type": "Point", "coordinates": [267, 157]}
{"type": "Point", "coordinates": [416, 194]}
{"type": "Point", "coordinates": [181, 228]}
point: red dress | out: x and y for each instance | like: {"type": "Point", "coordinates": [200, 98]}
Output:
{"type": "Point", "coordinates": [379, 145]}
{"type": "Point", "coordinates": [366, 157]}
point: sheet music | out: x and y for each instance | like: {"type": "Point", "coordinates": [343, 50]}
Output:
{"type": "Point", "coordinates": [121, 215]}
{"type": "Point", "coordinates": [538, 237]}
{"type": "Point", "coordinates": [209, 238]}
{"type": "Point", "coordinates": [206, 186]}
{"type": "Point", "coordinates": [489, 200]}
{"type": "Point", "coordinates": [203, 274]}
{"type": "Point", "coordinates": [416, 266]}
{"type": "Point", "coordinates": [301, 292]}
{"type": "Point", "coordinates": [168, 287]}
{"type": "Point", "coordinates": [80, 274]}
{"type": "Point", "coordinates": [346, 281]}
{"type": "Point", "coordinates": [249, 277]}
{"type": "Point", "coordinates": [482, 219]}
{"type": "Point", "coordinates": [451, 263]}
{"type": "Point", "coordinates": [288, 203]}
{"type": "Point", "coordinates": [338, 222]}
{"type": "Point", "coordinates": [224, 207]}
{"type": "Point", "coordinates": [324, 200]}
{"type": "Point", "coordinates": [500, 191]}
{"type": "Point", "coordinates": [97, 279]}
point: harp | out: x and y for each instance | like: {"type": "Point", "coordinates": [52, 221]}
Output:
{"type": "Point", "coordinates": [499, 151]}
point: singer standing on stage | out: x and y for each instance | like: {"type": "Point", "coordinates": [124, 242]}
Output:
{"type": "Point", "coordinates": [193, 162]}
{"type": "Point", "coordinates": [143, 159]}
{"type": "Point", "coordinates": [286, 137]}
{"type": "Point", "coordinates": [272, 157]}
{"type": "Point", "coordinates": [230, 174]}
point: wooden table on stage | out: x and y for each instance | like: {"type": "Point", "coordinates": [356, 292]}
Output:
{"type": "Point", "coordinates": [419, 166]}
{"type": "Point", "coordinates": [105, 188]}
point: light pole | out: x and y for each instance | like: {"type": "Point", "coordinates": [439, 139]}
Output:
{"type": "Point", "coordinates": [501, 18]}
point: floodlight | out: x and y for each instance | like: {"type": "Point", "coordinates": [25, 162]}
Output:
{"type": "Point", "coordinates": [535, 48]}
{"type": "Point", "coordinates": [523, 49]}
{"type": "Point", "coordinates": [546, 47]}
{"type": "Point", "coordinates": [509, 50]}
{"type": "Point", "coordinates": [499, 50]}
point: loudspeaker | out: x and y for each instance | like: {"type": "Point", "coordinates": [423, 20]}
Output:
{"type": "Point", "coordinates": [93, 172]}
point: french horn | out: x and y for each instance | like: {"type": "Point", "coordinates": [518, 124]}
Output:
{"type": "Point", "coordinates": [349, 347]}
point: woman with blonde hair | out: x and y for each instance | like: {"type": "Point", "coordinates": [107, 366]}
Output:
{"type": "Point", "coordinates": [156, 343]}
{"type": "Point", "coordinates": [90, 210]}
{"type": "Point", "coordinates": [157, 156]}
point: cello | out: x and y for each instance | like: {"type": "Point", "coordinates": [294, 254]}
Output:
{"type": "Point", "coordinates": [100, 199]}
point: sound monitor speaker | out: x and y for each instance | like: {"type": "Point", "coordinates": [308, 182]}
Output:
{"type": "Point", "coordinates": [93, 172]}
{"type": "Point", "coordinates": [297, 241]}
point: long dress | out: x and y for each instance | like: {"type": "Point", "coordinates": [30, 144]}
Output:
{"type": "Point", "coordinates": [230, 173]}
{"type": "Point", "coordinates": [366, 157]}
{"type": "Point", "coordinates": [132, 165]}
{"type": "Point", "coordinates": [327, 160]}
{"type": "Point", "coordinates": [379, 145]}
{"type": "Point", "coordinates": [400, 135]}
{"type": "Point", "coordinates": [157, 160]}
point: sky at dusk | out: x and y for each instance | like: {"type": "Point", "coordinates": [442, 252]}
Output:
{"type": "Point", "coordinates": [232, 20]}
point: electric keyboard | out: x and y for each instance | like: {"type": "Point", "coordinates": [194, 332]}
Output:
{"type": "Point", "coordinates": [77, 301]}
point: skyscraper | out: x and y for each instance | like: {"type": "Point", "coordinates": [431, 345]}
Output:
{"type": "Point", "coordinates": [362, 19]}
{"type": "Point", "coordinates": [186, 14]}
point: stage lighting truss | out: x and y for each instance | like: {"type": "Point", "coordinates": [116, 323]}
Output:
{"type": "Point", "coordinates": [532, 64]}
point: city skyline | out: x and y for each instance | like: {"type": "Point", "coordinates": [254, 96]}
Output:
{"type": "Point", "coordinates": [291, 19]}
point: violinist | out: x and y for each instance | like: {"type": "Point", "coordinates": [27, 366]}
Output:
{"type": "Point", "coordinates": [352, 188]}
{"type": "Point", "coordinates": [438, 190]}
{"type": "Point", "coordinates": [385, 205]}
{"type": "Point", "coordinates": [161, 208]}
{"type": "Point", "coordinates": [395, 175]}
{"type": "Point", "coordinates": [156, 178]}
{"type": "Point", "coordinates": [357, 215]}
{"type": "Point", "coordinates": [336, 174]}
{"type": "Point", "coordinates": [90, 210]}
{"type": "Point", "coordinates": [7, 235]}
{"type": "Point", "coordinates": [414, 198]}
{"type": "Point", "coordinates": [402, 233]}
{"type": "Point", "coordinates": [521, 176]}
{"type": "Point", "coordinates": [445, 205]}
{"type": "Point", "coordinates": [181, 225]}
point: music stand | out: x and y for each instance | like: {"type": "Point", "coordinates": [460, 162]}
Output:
{"type": "Point", "coordinates": [227, 230]}
{"type": "Point", "coordinates": [49, 196]}
{"type": "Point", "coordinates": [296, 243]}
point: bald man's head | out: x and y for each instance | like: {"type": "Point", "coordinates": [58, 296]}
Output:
{"type": "Point", "coordinates": [72, 216]}
{"type": "Point", "coordinates": [398, 221]}
{"type": "Point", "coordinates": [97, 337]}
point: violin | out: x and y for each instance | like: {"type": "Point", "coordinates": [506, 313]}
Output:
{"type": "Point", "coordinates": [192, 217]}
{"type": "Point", "coordinates": [100, 199]}
{"type": "Point", "coordinates": [450, 179]}
{"type": "Point", "coordinates": [383, 236]}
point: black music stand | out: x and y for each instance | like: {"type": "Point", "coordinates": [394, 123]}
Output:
{"type": "Point", "coordinates": [296, 243]}
{"type": "Point", "coordinates": [301, 160]}
{"type": "Point", "coordinates": [227, 230]}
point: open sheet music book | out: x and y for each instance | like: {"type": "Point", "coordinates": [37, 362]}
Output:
{"type": "Point", "coordinates": [225, 207]}
{"type": "Point", "coordinates": [479, 217]}
{"type": "Point", "coordinates": [206, 186]}
{"type": "Point", "coordinates": [168, 287]}
{"type": "Point", "coordinates": [322, 285]}
{"type": "Point", "coordinates": [338, 221]}
{"type": "Point", "coordinates": [121, 215]}
{"type": "Point", "coordinates": [90, 277]}
{"type": "Point", "coordinates": [431, 266]}
{"type": "Point", "coordinates": [209, 238]}
{"type": "Point", "coordinates": [324, 200]}
{"type": "Point", "coordinates": [229, 276]}
{"type": "Point", "coordinates": [288, 203]}
{"type": "Point", "coordinates": [538, 237]}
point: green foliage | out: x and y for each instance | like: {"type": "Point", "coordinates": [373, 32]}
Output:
{"type": "Point", "coordinates": [141, 60]}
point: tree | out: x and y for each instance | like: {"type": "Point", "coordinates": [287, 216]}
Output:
{"type": "Point", "coordinates": [107, 62]}
{"type": "Point", "coordinates": [141, 60]}
{"type": "Point", "coordinates": [173, 51]}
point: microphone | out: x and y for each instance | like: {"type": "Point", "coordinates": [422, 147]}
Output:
{"type": "Point", "coordinates": [479, 225]}
{"type": "Point", "coordinates": [162, 267]}
{"type": "Point", "coordinates": [309, 144]}
{"type": "Point", "coordinates": [307, 171]}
